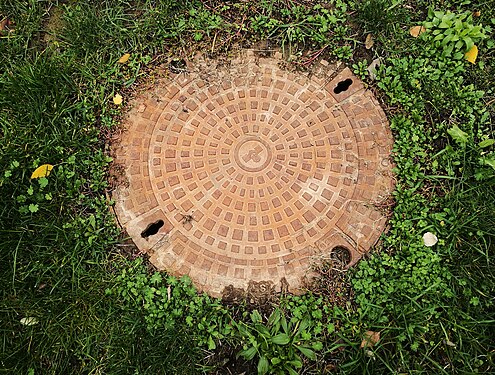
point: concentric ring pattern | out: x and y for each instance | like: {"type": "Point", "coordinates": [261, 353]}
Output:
{"type": "Point", "coordinates": [247, 171]}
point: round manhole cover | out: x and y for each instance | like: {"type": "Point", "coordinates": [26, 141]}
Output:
{"type": "Point", "coordinates": [246, 172]}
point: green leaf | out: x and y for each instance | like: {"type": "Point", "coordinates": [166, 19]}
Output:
{"type": "Point", "coordinates": [43, 181]}
{"type": "Point", "coordinates": [263, 330]}
{"type": "Point", "coordinates": [211, 343]}
{"type": "Point", "coordinates": [256, 317]}
{"type": "Point", "coordinates": [291, 371]}
{"type": "Point", "coordinates": [458, 135]}
{"type": "Point", "coordinates": [317, 345]}
{"type": "Point", "coordinates": [248, 353]}
{"type": "Point", "coordinates": [281, 339]}
{"type": "Point", "coordinates": [283, 322]}
{"type": "Point", "coordinates": [92, 221]}
{"type": "Point", "coordinates": [489, 161]}
{"type": "Point", "coordinates": [275, 361]}
{"type": "Point", "coordinates": [486, 143]}
{"type": "Point", "coordinates": [274, 317]}
{"type": "Point", "coordinates": [304, 324]}
{"type": "Point", "coordinates": [156, 278]}
{"type": "Point", "coordinates": [445, 24]}
{"type": "Point", "coordinates": [263, 366]}
{"type": "Point", "coordinates": [439, 14]}
{"type": "Point", "coordinates": [469, 43]}
{"type": "Point", "coordinates": [307, 352]}
{"type": "Point", "coordinates": [297, 363]}
{"type": "Point", "coordinates": [33, 208]}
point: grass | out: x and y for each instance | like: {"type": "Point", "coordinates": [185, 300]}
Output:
{"type": "Point", "coordinates": [61, 259]}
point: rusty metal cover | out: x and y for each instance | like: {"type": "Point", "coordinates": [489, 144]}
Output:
{"type": "Point", "coordinates": [244, 171]}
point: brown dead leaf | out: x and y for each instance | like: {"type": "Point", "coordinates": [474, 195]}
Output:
{"type": "Point", "coordinates": [477, 13]}
{"type": "Point", "coordinates": [370, 339]}
{"type": "Point", "coordinates": [416, 31]}
{"type": "Point", "coordinates": [368, 43]}
{"type": "Point", "coordinates": [6, 24]}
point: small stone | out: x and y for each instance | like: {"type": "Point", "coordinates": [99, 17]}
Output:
{"type": "Point", "coordinates": [429, 239]}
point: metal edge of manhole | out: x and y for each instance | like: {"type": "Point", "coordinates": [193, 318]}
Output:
{"type": "Point", "coordinates": [244, 171]}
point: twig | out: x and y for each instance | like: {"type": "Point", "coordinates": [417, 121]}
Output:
{"type": "Point", "coordinates": [490, 102]}
{"type": "Point", "coordinates": [213, 44]}
{"type": "Point", "coordinates": [314, 56]}
{"type": "Point", "coordinates": [235, 35]}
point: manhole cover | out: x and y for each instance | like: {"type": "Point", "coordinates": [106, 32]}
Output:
{"type": "Point", "coordinates": [246, 172]}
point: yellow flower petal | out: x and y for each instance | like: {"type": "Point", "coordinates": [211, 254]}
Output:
{"type": "Point", "coordinates": [42, 171]}
{"type": "Point", "coordinates": [472, 54]}
{"type": "Point", "coordinates": [117, 99]}
{"type": "Point", "coordinates": [124, 58]}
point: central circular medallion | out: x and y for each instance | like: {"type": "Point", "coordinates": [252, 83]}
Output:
{"type": "Point", "coordinates": [252, 154]}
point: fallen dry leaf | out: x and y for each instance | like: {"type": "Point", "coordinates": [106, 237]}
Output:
{"type": "Point", "coordinates": [373, 66]}
{"type": "Point", "coordinates": [42, 171]}
{"type": "Point", "coordinates": [477, 13]}
{"type": "Point", "coordinates": [472, 54]}
{"type": "Point", "coordinates": [370, 339]}
{"type": "Point", "coordinates": [117, 99]}
{"type": "Point", "coordinates": [124, 58]}
{"type": "Point", "coordinates": [416, 31]}
{"type": "Point", "coordinates": [368, 43]}
{"type": "Point", "coordinates": [5, 24]}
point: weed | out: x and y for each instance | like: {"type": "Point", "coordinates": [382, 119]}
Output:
{"type": "Point", "coordinates": [303, 26]}
{"type": "Point", "coordinates": [380, 16]}
{"type": "Point", "coordinates": [453, 33]}
{"type": "Point", "coordinates": [173, 304]}
{"type": "Point", "coordinates": [277, 344]}
{"type": "Point", "coordinates": [442, 142]}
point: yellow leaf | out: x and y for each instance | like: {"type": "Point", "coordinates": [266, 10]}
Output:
{"type": "Point", "coordinates": [117, 99]}
{"type": "Point", "coordinates": [124, 58]}
{"type": "Point", "coordinates": [416, 31]}
{"type": "Point", "coordinates": [42, 171]}
{"type": "Point", "coordinates": [472, 54]}
{"type": "Point", "coordinates": [368, 43]}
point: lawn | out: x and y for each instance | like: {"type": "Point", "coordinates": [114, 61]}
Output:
{"type": "Point", "coordinates": [77, 298]}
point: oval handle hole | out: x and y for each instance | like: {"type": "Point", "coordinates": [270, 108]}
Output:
{"type": "Point", "coordinates": [152, 229]}
{"type": "Point", "coordinates": [342, 86]}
